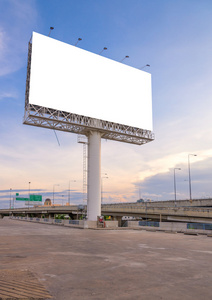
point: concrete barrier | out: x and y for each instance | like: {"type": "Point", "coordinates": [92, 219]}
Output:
{"type": "Point", "coordinates": [111, 224]}
{"type": "Point", "coordinates": [57, 222]}
{"type": "Point", "coordinates": [131, 224]}
{"type": "Point", "coordinates": [163, 226]}
{"type": "Point", "coordinates": [74, 223]}
{"type": "Point", "coordinates": [80, 223]}
{"type": "Point", "coordinates": [168, 226]}
{"type": "Point", "coordinates": [173, 226]}
{"type": "Point", "coordinates": [90, 224]}
{"type": "Point", "coordinates": [198, 231]}
{"type": "Point", "coordinates": [46, 221]}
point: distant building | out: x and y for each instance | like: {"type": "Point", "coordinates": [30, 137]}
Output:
{"type": "Point", "coordinates": [48, 202]}
{"type": "Point", "coordinates": [140, 200]}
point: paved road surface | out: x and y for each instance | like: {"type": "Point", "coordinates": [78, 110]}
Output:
{"type": "Point", "coordinates": [107, 264]}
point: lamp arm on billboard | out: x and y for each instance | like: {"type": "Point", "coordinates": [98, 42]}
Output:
{"type": "Point", "coordinates": [51, 28]}
{"type": "Point", "coordinates": [127, 56]}
{"type": "Point", "coordinates": [79, 39]}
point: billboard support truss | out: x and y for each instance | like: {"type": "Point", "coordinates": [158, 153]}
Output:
{"type": "Point", "coordinates": [45, 117]}
{"type": "Point", "coordinates": [59, 120]}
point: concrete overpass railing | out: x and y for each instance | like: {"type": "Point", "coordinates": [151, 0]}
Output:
{"type": "Point", "coordinates": [165, 211]}
{"type": "Point", "coordinates": [60, 222]}
{"type": "Point", "coordinates": [187, 228]}
{"type": "Point", "coordinates": [197, 228]}
{"type": "Point", "coordinates": [69, 223]}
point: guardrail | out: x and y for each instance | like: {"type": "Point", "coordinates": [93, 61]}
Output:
{"type": "Point", "coordinates": [60, 222]}
{"type": "Point", "coordinates": [201, 226]}
{"type": "Point", "coordinates": [74, 222]}
{"type": "Point", "coordinates": [195, 228]}
{"type": "Point", "coordinates": [149, 223]}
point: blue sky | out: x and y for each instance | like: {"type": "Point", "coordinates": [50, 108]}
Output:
{"type": "Point", "coordinates": [174, 37]}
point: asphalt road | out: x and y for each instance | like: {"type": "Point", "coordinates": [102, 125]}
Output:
{"type": "Point", "coordinates": [106, 264]}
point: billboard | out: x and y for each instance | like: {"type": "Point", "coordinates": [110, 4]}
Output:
{"type": "Point", "coordinates": [66, 78]}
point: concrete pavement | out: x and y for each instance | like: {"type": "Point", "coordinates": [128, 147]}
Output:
{"type": "Point", "coordinates": [108, 264]}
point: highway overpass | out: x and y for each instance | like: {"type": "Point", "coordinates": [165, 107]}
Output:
{"type": "Point", "coordinates": [199, 210]}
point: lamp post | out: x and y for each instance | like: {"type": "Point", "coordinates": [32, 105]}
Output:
{"type": "Point", "coordinates": [102, 186]}
{"type": "Point", "coordinates": [53, 190]}
{"type": "Point", "coordinates": [10, 197]}
{"type": "Point", "coordinates": [189, 175]}
{"type": "Point", "coordinates": [29, 194]}
{"type": "Point", "coordinates": [62, 199]}
{"type": "Point", "coordinates": [175, 196]}
{"type": "Point", "coordinates": [69, 190]}
{"type": "Point", "coordinates": [139, 192]}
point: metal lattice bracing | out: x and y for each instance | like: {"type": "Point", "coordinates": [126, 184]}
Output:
{"type": "Point", "coordinates": [83, 140]}
{"type": "Point", "coordinates": [40, 116]}
{"type": "Point", "coordinates": [59, 120]}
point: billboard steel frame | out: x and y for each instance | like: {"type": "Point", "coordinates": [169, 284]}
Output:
{"type": "Point", "coordinates": [93, 128]}
{"type": "Point", "coordinates": [45, 117]}
{"type": "Point", "coordinates": [59, 120]}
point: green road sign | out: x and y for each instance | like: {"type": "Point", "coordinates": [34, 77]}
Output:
{"type": "Point", "coordinates": [35, 198]}
{"type": "Point", "coordinates": [17, 194]}
{"type": "Point", "coordinates": [22, 199]}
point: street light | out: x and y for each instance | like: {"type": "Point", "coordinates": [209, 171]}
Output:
{"type": "Point", "coordinates": [175, 197]}
{"type": "Point", "coordinates": [62, 199]}
{"type": "Point", "coordinates": [29, 193]}
{"type": "Point", "coordinates": [69, 190]}
{"type": "Point", "coordinates": [102, 186]}
{"type": "Point", "coordinates": [53, 190]}
{"type": "Point", "coordinates": [10, 197]}
{"type": "Point", "coordinates": [189, 175]}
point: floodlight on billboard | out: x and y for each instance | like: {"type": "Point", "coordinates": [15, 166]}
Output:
{"type": "Point", "coordinates": [71, 89]}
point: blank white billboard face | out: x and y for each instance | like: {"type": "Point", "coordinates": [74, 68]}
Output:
{"type": "Point", "coordinates": [67, 78]}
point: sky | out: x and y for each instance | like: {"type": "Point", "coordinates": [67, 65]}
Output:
{"type": "Point", "coordinates": [174, 38]}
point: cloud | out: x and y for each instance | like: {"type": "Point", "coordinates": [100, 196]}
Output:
{"type": "Point", "coordinates": [32, 154]}
{"type": "Point", "coordinates": [8, 95]}
{"type": "Point", "coordinates": [3, 42]}
{"type": "Point", "coordinates": [167, 162]}
{"type": "Point", "coordinates": [160, 186]}
{"type": "Point", "coordinates": [17, 20]}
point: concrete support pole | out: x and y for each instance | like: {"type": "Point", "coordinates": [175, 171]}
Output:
{"type": "Point", "coordinates": [94, 176]}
